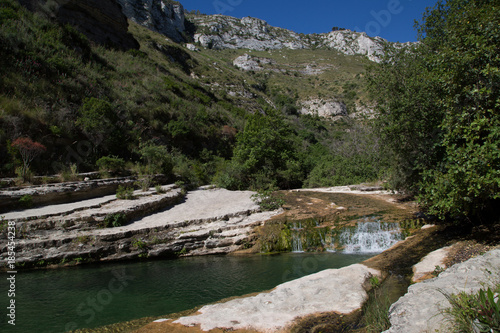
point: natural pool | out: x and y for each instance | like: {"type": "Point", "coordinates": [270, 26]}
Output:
{"type": "Point", "coordinates": [92, 296]}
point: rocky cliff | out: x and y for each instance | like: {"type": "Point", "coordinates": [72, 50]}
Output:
{"type": "Point", "coordinates": [163, 16]}
{"type": "Point", "coordinates": [225, 32]}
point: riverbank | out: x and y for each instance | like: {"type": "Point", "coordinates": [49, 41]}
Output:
{"type": "Point", "coordinates": [168, 222]}
{"type": "Point", "coordinates": [216, 221]}
{"type": "Point", "coordinates": [155, 224]}
{"type": "Point", "coordinates": [255, 314]}
{"type": "Point", "coordinates": [397, 262]}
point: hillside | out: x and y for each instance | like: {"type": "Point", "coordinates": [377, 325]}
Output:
{"type": "Point", "coordinates": [197, 114]}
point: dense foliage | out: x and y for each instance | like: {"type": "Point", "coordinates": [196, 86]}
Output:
{"type": "Point", "coordinates": [163, 109]}
{"type": "Point", "coordinates": [440, 110]}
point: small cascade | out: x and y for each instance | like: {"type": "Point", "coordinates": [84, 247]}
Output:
{"type": "Point", "coordinates": [296, 239]}
{"type": "Point", "coordinates": [296, 243]}
{"type": "Point", "coordinates": [370, 237]}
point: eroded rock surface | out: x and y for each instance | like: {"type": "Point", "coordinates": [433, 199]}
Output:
{"type": "Point", "coordinates": [429, 263]}
{"type": "Point", "coordinates": [225, 32]}
{"type": "Point", "coordinates": [341, 290]}
{"type": "Point", "coordinates": [421, 309]}
{"type": "Point", "coordinates": [324, 108]}
{"type": "Point", "coordinates": [51, 194]}
{"type": "Point", "coordinates": [206, 221]}
{"type": "Point", "coordinates": [161, 16]}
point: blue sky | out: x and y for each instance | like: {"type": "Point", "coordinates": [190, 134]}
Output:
{"type": "Point", "coordinates": [390, 19]}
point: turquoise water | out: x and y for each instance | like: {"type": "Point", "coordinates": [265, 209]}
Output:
{"type": "Point", "coordinates": [92, 296]}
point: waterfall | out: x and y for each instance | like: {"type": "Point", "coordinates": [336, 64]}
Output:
{"type": "Point", "coordinates": [296, 239]}
{"type": "Point", "coordinates": [296, 243]}
{"type": "Point", "coordinates": [370, 237]}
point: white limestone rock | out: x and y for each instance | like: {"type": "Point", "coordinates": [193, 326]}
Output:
{"type": "Point", "coordinates": [421, 309]}
{"type": "Point", "coordinates": [428, 264]}
{"type": "Point", "coordinates": [334, 290]}
{"type": "Point", "coordinates": [225, 32]}
{"type": "Point", "coordinates": [157, 15]}
{"type": "Point", "coordinates": [324, 108]}
{"type": "Point", "coordinates": [353, 43]}
{"type": "Point", "coordinates": [192, 47]}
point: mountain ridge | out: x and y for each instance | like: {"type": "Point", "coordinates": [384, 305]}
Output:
{"type": "Point", "coordinates": [226, 32]}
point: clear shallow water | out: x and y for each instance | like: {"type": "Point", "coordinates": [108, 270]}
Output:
{"type": "Point", "coordinates": [92, 296]}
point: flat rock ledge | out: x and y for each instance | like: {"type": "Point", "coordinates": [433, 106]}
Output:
{"type": "Point", "coordinates": [421, 309]}
{"type": "Point", "coordinates": [341, 290]}
{"type": "Point", "coordinates": [426, 267]}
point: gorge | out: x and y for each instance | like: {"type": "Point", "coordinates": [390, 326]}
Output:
{"type": "Point", "coordinates": [170, 171]}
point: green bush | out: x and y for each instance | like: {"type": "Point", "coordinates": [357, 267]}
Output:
{"type": "Point", "coordinates": [26, 201]}
{"type": "Point", "coordinates": [159, 189]}
{"type": "Point", "coordinates": [157, 158]}
{"type": "Point", "coordinates": [111, 163]}
{"type": "Point", "coordinates": [125, 192]}
{"type": "Point", "coordinates": [114, 220]}
{"type": "Point", "coordinates": [8, 10]}
{"type": "Point", "coordinates": [139, 244]}
{"type": "Point", "coordinates": [268, 200]}
{"type": "Point", "coordinates": [438, 112]}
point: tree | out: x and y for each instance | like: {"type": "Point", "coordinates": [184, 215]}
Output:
{"type": "Point", "coordinates": [266, 153]}
{"type": "Point", "coordinates": [464, 37]}
{"type": "Point", "coordinates": [439, 110]}
{"type": "Point", "coordinates": [157, 158]}
{"type": "Point", "coordinates": [99, 122]}
{"type": "Point", "coordinates": [29, 150]}
{"type": "Point", "coordinates": [406, 90]}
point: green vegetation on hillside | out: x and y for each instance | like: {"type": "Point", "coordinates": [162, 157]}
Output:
{"type": "Point", "coordinates": [94, 107]}
{"type": "Point", "coordinates": [439, 111]}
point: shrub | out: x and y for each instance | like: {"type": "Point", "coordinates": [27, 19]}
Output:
{"type": "Point", "coordinates": [114, 220]}
{"type": "Point", "coordinates": [159, 189]}
{"type": "Point", "coordinates": [125, 192]}
{"type": "Point", "coordinates": [479, 312]}
{"type": "Point", "coordinates": [157, 158]}
{"type": "Point", "coordinates": [111, 164]}
{"type": "Point", "coordinates": [69, 174]}
{"type": "Point", "coordinates": [29, 150]}
{"type": "Point", "coordinates": [26, 201]}
{"type": "Point", "coordinates": [268, 200]}
{"type": "Point", "coordinates": [139, 244]}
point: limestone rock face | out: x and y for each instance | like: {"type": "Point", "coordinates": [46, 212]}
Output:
{"type": "Point", "coordinates": [334, 290]}
{"type": "Point", "coordinates": [352, 43]}
{"type": "Point", "coordinates": [421, 309]}
{"type": "Point", "coordinates": [225, 32]}
{"type": "Point", "coordinates": [161, 16]}
{"type": "Point", "coordinates": [249, 63]}
{"type": "Point", "coordinates": [324, 108]}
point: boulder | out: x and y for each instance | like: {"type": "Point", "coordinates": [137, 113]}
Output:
{"type": "Point", "coordinates": [324, 108]}
{"type": "Point", "coordinates": [426, 267]}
